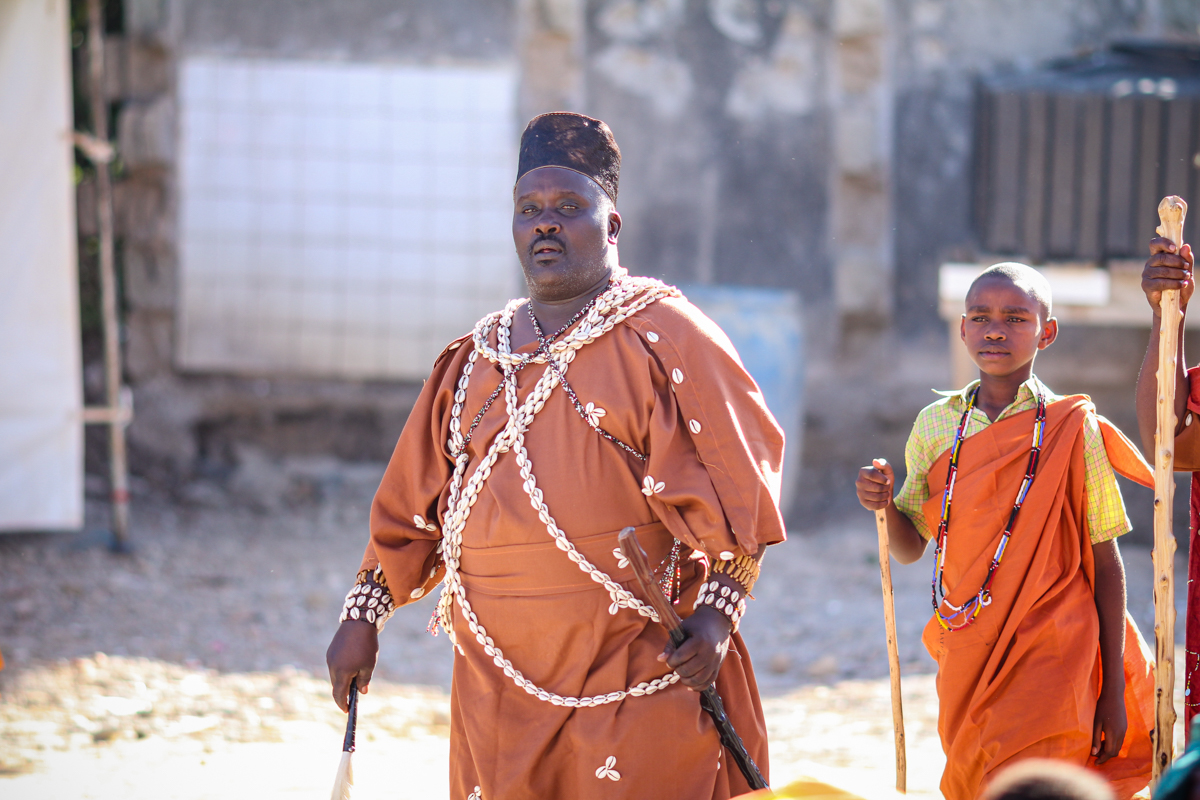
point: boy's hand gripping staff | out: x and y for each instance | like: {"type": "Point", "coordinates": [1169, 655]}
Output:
{"type": "Point", "coordinates": [710, 701]}
{"type": "Point", "coordinates": [889, 618]}
{"type": "Point", "coordinates": [1171, 212]}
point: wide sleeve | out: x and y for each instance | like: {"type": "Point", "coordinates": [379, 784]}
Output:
{"type": "Point", "coordinates": [405, 516]}
{"type": "Point", "coordinates": [710, 414]}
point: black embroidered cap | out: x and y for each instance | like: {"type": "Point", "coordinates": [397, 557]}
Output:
{"type": "Point", "coordinates": [574, 142]}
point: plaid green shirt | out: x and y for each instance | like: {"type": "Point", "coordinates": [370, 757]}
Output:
{"type": "Point", "coordinates": [933, 434]}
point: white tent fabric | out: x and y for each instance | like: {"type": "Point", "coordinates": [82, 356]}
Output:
{"type": "Point", "coordinates": [41, 436]}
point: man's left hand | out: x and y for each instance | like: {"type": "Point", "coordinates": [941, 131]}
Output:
{"type": "Point", "coordinates": [698, 659]}
{"type": "Point", "coordinates": [1111, 722]}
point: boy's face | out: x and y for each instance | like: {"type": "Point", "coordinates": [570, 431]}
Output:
{"type": "Point", "coordinates": [1004, 326]}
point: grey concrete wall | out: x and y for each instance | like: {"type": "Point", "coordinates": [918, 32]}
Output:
{"type": "Point", "coordinates": [188, 425]}
{"type": "Point", "coordinates": [717, 107]}
{"type": "Point", "coordinates": [943, 47]}
{"type": "Point", "coordinates": [816, 145]}
{"type": "Point", "coordinates": [752, 155]}
{"type": "Point", "coordinates": [350, 29]}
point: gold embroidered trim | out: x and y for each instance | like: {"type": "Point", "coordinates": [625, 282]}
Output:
{"type": "Point", "coordinates": [742, 569]}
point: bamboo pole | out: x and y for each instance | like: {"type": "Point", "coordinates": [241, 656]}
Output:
{"type": "Point", "coordinates": [1171, 212]}
{"type": "Point", "coordinates": [889, 618]}
{"type": "Point", "coordinates": [119, 408]}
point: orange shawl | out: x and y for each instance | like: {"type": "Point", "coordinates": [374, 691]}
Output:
{"type": "Point", "coordinates": [1023, 680]}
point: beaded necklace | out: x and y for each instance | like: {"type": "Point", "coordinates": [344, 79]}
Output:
{"type": "Point", "coordinates": [970, 610]}
{"type": "Point", "coordinates": [670, 566]}
{"type": "Point", "coordinates": [543, 343]}
{"type": "Point", "coordinates": [670, 581]}
{"type": "Point", "coordinates": [543, 348]}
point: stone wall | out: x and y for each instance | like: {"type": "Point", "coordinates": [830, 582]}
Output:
{"type": "Point", "coordinates": [944, 46]}
{"type": "Point", "coordinates": [719, 108]}
{"type": "Point", "coordinates": [823, 146]}
{"type": "Point", "coordinates": [195, 424]}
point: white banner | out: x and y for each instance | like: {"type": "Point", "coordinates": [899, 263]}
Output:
{"type": "Point", "coordinates": [41, 435]}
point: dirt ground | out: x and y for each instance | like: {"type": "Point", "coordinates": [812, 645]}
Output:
{"type": "Point", "coordinates": [194, 669]}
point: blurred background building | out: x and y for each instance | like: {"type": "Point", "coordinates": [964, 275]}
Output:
{"type": "Point", "coordinates": [313, 197]}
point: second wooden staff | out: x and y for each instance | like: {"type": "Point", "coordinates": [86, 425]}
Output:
{"type": "Point", "coordinates": [1171, 212]}
{"type": "Point", "coordinates": [889, 620]}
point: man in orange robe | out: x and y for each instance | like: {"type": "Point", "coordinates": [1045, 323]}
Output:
{"type": "Point", "coordinates": [1036, 654]}
{"type": "Point", "coordinates": [604, 402]}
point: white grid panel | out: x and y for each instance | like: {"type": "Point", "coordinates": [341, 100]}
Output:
{"type": "Point", "coordinates": [343, 220]}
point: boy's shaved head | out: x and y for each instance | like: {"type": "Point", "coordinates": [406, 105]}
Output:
{"type": "Point", "coordinates": [1026, 278]}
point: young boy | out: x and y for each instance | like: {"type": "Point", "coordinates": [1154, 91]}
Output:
{"type": "Point", "coordinates": [1171, 268]}
{"type": "Point", "coordinates": [1036, 655]}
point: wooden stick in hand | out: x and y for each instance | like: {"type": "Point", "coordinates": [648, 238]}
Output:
{"type": "Point", "coordinates": [640, 564]}
{"type": "Point", "coordinates": [889, 618]}
{"type": "Point", "coordinates": [710, 701]}
{"type": "Point", "coordinates": [1171, 212]}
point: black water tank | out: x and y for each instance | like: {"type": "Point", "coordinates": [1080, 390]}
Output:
{"type": "Point", "coordinates": [1072, 160]}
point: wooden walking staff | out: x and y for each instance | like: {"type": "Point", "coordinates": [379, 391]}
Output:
{"type": "Point", "coordinates": [1171, 212]}
{"type": "Point", "coordinates": [117, 411]}
{"type": "Point", "coordinates": [889, 618]}
{"type": "Point", "coordinates": [343, 782]}
{"type": "Point", "coordinates": [710, 701]}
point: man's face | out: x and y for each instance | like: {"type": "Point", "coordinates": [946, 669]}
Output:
{"type": "Point", "coordinates": [1004, 326]}
{"type": "Point", "coordinates": [565, 231]}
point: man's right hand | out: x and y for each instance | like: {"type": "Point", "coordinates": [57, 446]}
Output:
{"type": "Point", "coordinates": [352, 654]}
{"type": "Point", "coordinates": [1168, 269]}
{"type": "Point", "coordinates": [874, 485]}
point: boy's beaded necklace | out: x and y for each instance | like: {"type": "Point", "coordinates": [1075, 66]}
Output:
{"type": "Point", "coordinates": [970, 610]}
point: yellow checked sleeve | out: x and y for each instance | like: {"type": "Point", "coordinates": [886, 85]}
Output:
{"type": "Point", "coordinates": [918, 458]}
{"type": "Point", "coordinates": [1106, 518]}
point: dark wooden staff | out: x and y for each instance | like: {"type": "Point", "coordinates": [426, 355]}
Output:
{"type": "Point", "coordinates": [710, 701]}
{"type": "Point", "coordinates": [343, 784]}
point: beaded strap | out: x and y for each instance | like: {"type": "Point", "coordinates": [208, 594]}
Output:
{"type": "Point", "coordinates": [590, 414]}
{"type": "Point", "coordinates": [543, 342]}
{"type": "Point", "coordinates": [605, 314]}
{"type": "Point", "coordinates": [728, 601]}
{"type": "Point", "coordinates": [742, 569]}
{"type": "Point", "coordinates": [370, 600]}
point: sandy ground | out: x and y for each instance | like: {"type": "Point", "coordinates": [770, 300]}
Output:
{"type": "Point", "coordinates": [194, 669]}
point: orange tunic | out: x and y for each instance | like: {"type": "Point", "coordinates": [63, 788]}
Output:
{"type": "Point", "coordinates": [668, 383]}
{"type": "Point", "coordinates": [1023, 680]}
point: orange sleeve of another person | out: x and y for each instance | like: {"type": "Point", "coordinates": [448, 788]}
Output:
{"type": "Point", "coordinates": [1187, 442]}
